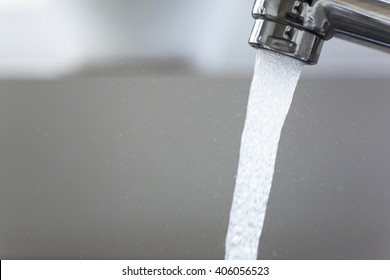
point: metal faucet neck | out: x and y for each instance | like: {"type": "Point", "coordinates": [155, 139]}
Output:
{"type": "Point", "coordinates": [298, 28]}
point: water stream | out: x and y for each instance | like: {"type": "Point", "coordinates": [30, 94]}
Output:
{"type": "Point", "coordinates": [274, 81]}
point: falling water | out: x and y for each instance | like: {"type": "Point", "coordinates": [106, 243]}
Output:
{"type": "Point", "coordinates": [273, 85]}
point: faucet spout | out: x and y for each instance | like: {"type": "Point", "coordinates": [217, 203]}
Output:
{"type": "Point", "coordinates": [298, 28]}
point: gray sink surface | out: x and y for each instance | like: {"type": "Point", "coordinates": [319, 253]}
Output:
{"type": "Point", "coordinates": [144, 168]}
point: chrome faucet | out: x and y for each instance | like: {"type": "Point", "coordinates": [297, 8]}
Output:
{"type": "Point", "coordinates": [298, 28]}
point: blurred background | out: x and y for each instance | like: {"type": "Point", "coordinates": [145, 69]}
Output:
{"type": "Point", "coordinates": [120, 126]}
{"type": "Point", "coordinates": [49, 39]}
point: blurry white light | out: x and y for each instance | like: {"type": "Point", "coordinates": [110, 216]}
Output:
{"type": "Point", "coordinates": [40, 39]}
{"type": "Point", "coordinates": [11, 4]}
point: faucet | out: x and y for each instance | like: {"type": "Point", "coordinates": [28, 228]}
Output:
{"type": "Point", "coordinates": [298, 28]}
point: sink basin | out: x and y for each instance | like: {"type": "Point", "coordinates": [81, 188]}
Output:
{"type": "Point", "coordinates": [144, 168]}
